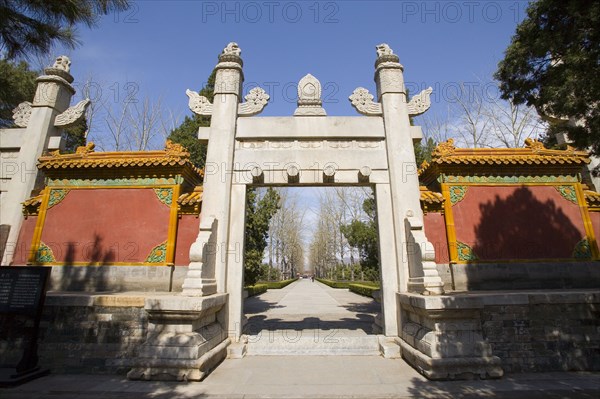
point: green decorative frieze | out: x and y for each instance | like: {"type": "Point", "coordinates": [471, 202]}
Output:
{"type": "Point", "coordinates": [457, 193]}
{"type": "Point", "coordinates": [568, 193]}
{"type": "Point", "coordinates": [508, 179]}
{"type": "Point", "coordinates": [165, 195]}
{"type": "Point", "coordinates": [150, 181]}
{"type": "Point", "coordinates": [582, 250]}
{"type": "Point", "coordinates": [158, 254]}
{"type": "Point", "coordinates": [465, 252]}
{"type": "Point", "coordinates": [44, 254]}
{"type": "Point", "coordinates": [56, 196]}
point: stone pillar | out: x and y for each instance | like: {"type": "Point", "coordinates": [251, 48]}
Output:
{"type": "Point", "coordinates": [208, 254]}
{"type": "Point", "coordinates": [52, 97]}
{"type": "Point", "coordinates": [404, 179]}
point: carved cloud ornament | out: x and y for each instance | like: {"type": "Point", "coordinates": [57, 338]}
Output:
{"type": "Point", "coordinates": [256, 100]}
{"type": "Point", "coordinates": [72, 115]}
{"type": "Point", "coordinates": [420, 103]}
{"type": "Point", "coordinates": [199, 104]}
{"type": "Point", "coordinates": [22, 113]}
{"type": "Point", "coordinates": [363, 102]}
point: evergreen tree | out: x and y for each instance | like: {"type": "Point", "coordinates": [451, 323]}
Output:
{"type": "Point", "coordinates": [553, 63]}
{"type": "Point", "coordinates": [30, 27]}
{"type": "Point", "coordinates": [186, 134]}
{"type": "Point", "coordinates": [424, 150]}
{"type": "Point", "coordinates": [17, 84]}
{"type": "Point", "coordinates": [259, 212]}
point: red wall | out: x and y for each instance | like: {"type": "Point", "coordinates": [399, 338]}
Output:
{"type": "Point", "coordinates": [187, 231]}
{"type": "Point", "coordinates": [522, 222]}
{"type": "Point", "coordinates": [106, 225]}
{"type": "Point", "coordinates": [24, 241]}
{"type": "Point", "coordinates": [435, 230]}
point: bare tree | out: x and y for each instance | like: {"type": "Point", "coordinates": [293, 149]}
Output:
{"type": "Point", "coordinates": [476, 119]}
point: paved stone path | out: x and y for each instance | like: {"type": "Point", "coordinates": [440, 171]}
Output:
{"type": "Point", "coordinates": [308, 306]}
{"type": "Point", "coordinates": [311, 376]}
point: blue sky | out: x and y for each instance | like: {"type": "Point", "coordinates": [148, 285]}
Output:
{"type": "Point", "coordinates": [158, 49]}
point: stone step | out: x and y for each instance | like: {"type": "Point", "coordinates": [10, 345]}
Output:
{"type": "Point", "coordinates": [312, 342]}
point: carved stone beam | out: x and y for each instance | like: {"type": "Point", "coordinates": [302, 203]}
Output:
{"type": "Point", "coordinates": [199, 104]}
{"type": "Point", "coordinates": [363, 102]}
{"type": "Point", "coordinates": [72, 115]}
{"type": "Point", "coordinates": [256, 101]}
{"type": "Point", "coordinates": [420, 103]}
{"type": "Point", "coordinates": [22, 113]}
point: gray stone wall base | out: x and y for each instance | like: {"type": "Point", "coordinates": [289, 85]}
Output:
{"type": "Point", "coordinates": [487, 333]}
{"type": "Point", "coordinates": [117, 278]}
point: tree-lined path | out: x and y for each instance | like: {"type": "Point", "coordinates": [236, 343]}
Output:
{"type": "Point", "coordinates": [310, 318]}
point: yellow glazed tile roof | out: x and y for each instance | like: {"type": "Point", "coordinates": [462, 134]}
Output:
{"type": "Point", "coordinates": [431, 197]}
{"type": "Point", "coordinates": [85, 158]}
{"type": "Point", "coordinates": [195, 197]}
{"type": "Point", "coordinates": [447, 157]}
{"type": "Point", "coordinates": [592, 198]}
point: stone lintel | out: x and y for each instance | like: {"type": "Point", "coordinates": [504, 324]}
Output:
{"type": "Point", "coordinates": [333, 127]}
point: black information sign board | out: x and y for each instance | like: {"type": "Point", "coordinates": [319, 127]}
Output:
{"type": "Point", "coordinates": [22, 289]}
{"type": "Point", "coordinates": [22, 294]}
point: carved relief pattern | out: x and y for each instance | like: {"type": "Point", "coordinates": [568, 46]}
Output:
{"type": "Point", "coordinates": [72, 115]}
{"type": "Point", "coordinates": [199, 104]}
{"type": "Point", "coordinates": [465, 252]}
{"type": "Point", "coordinates": [582, 250]}
{"type": "Point", "coordinates": [165, 195]}
{"type": "Point", "coordinates": [307, 144]}
{"type": "Point", "coordinates": [44, 254]}
{"type": "Point", "coordinates": [457, 194]}
{"type": "Point", "coordinates": [390, 81]}
{"type": "Point", "coordinates": [420, 103]}
{"type": "Point", "coordinates": [363, 102]}
{"type": "Point", "coordinates": [22, 113]}
{"type": "Point", "coordinates": [158, 254]}
{"type": "Point", "coordinates": [150, 181]}
{"type": "Point", "coordinates": [256, 100]}
{"type": "Point", "coordinates": [567, 192]}
{"type": "Point", "coordinates": [507, 179]}
{"type": "Point", "coordinates": [227, 81]}
{"type": "Point", "coordinates": [56, 196]}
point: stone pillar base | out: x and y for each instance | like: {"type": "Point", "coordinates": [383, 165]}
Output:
{"type": "Point", "coordinates": [442, 337]}
{"type": "Point", "coordinates": [462, 368]}
{"type": "Point", "coordinates": [185, 340]}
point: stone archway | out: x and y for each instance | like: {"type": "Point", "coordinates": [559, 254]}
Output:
{"type": "Point", "coordinates": [308, 148]}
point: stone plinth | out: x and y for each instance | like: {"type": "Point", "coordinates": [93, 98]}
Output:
{"type": "Point", "coordinates": [185, 340]}
{"type": "Point", "coordinates": [442, 337]}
